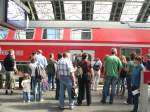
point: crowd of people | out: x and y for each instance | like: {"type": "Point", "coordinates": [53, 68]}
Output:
{"type": "Point", "coordinates": [81, 73]}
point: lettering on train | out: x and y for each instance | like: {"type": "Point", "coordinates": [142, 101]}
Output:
{"type": "Point", "coordinates": [17, 52]}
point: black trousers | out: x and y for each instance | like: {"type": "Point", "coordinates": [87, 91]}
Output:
{"type": "Point", "coordinates": [57, 89]}
{"type": "Point", "coordinates": [135, 99]}
{"type": "Point", "coordinates": [84, 87]}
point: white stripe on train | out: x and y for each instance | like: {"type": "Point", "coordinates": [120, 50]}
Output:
{"type": "Point", "coordinates": [75, 44]}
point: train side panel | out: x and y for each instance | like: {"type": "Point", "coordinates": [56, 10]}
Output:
{"type": "Point", "coordinates": [102, 42]}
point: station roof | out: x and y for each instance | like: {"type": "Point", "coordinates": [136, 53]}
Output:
{"type": "Point", "coordinates": [137, 11]}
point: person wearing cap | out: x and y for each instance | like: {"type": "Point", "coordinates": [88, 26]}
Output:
{"type": "Point", "coordinates": [41, 59]}
{"type": "Point", "coordinates": [112, 68]}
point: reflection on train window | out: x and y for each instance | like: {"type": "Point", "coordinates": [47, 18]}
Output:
{"type": "Point", "coordinates": [81, 34]}
{"type": "Point", "coordinates": [29, 33]}
{"type": "Point", "coordinates": [24, 34]}
{"type": "Point", "coordinates": [3, 34]}
{"type": "Point", "coordinates": [53, 34]}
{"type": "Point", "coordinates": [128, 51]}
{"type": "Point", "coordinates": [91, 53]}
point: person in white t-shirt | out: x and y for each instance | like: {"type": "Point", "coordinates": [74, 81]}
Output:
{"type": "Point", "coordinates": [26, 87]}
{"type": "Point", "coordinates": [33, 66]}
{"type": "Point", "coordinates": [40, 58]}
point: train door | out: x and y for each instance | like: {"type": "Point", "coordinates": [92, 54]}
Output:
{"type": "Point", "coordinates": [91, 53]}
{"type": "Point", "coordinates": [128, 51]}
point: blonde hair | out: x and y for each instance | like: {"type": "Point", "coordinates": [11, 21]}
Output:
{"type": "Point", "coordinates": [123, 59]}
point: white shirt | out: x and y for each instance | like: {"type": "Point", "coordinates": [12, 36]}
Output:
{"type": "Point", "coordinates": [41, 60]}
{"type": "Point", "coordinates": [33, 67]}
{"type": "Point", "coordinates": [26, 85]}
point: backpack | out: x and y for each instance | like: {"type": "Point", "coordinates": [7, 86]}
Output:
{"type": "Point", "coordinates": [45, 85]}
{"type": "Point", "coordinates": [79, 71]}
{"type": "Point", "coordinates": [51, 67]}
{"type": "Point", "coordinates": [148, 64]}
{"type": "Point", "coordinates": [96, 66]}
{"type": "Point", "coordinates": [123, 72]}
{"type": "Point", "coordinates": [40, 73]}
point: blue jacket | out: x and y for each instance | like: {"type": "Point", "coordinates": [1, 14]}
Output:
{"type": "Point", "coordinates": [136, 75]}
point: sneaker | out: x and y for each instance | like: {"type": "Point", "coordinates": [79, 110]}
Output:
{"type": "Point", "coordinates": [78, 104]}
{"type": "Point", "coordinates": [61, 107]}
{"type": "Point", "coordinates": [11, 92]}
{"type": "Point", "coordinates": [102, 101]}
{"type": "Point", "coordinates": [88, 104]}
{"type": "Point", "coordinates": [6, 92]}
{"type": "Point", "coordinates": [24, 101]}
{"type": "Point", "coordinates": [110, 102]}
{"type": "Point", "coordinates": [42, 100]}
{"type": "Point", "coordinates": [71, 107]}
{"type": "Point", "coordinates": [127, 103]}
{"type": "Point", "coordinates": [29, 101]}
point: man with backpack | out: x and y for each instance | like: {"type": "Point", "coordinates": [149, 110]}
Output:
{"type": "Point", "coordinates": [40, 58]}
{"type": "Point", "coordinates": [40, 79]}
{"type": "Point", "coordinates": [40, 73]}
{"type": "Point", "coordinates": [10, 66]}
{"type": "Point", "coordinates": [51, 70]}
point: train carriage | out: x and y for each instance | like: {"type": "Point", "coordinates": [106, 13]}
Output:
{"type": "Point", "coordinates": [97, 42]}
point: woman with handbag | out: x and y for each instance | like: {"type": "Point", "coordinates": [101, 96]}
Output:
{"type": "Point", "coordinates": [86, 80]}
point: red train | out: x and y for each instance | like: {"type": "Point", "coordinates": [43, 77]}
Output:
{"type": "Point", "coordinates": [100, 43]}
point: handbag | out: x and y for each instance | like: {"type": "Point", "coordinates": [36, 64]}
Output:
{"type": "Point", "coordinates": [89, 76]}
{"type": "Point", "coordinates": [45, 85]}
{"type": "Point", "coordinates": [74, 92]}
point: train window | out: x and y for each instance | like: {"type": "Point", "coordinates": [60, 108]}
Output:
{"type": "Point", "coordinates": [53, 34]}
{"type": "Point", "coordinates": [24, 34]}
{"type": "Point", "coordinates": [20, 35]}
{"type": "Point", "coordinates": [3, 34]}
{"type": "Point", "coordinates": [29, 33]}
{"type": "Point", "coordinates": [91, 53]}
{"type": "Point", "coordinates": [81, 34]}
{"type": "Point", "coordinates": [127, 51]}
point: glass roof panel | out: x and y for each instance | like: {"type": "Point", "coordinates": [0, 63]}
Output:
{"type": "Point", "coordinates": [102, 10]}
{"type": "Point", "coordinates": [148, 20]}
{"type": "Point", "coordinates": [73, 10]}
{"type": "Point", "coordinates": [131, 10]}
{"type": "Point", "coordinates": [44, 10]}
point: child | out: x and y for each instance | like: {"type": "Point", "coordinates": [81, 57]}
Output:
{"type": "Point", "coordinates": [26, 87]}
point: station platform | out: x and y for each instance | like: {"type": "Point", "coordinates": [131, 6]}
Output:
{"type": "Point", "coordinates": [14, 103]}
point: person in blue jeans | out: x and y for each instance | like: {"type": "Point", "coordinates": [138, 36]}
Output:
{"type": "Point", "coordinates": [112, 68]}
{"type": "Point", "coordinates": [38, 91]}
{"type": "Point", "coordinates": [135, 81]}
{"type": "Point", "coordinates": [130, 67]}
{"type": "Point", "coordinates": [66, 76]}
{"type": "Point", "coordinates": [51, 70]}
{"type": "Point", "coordinates": [26, 87]}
